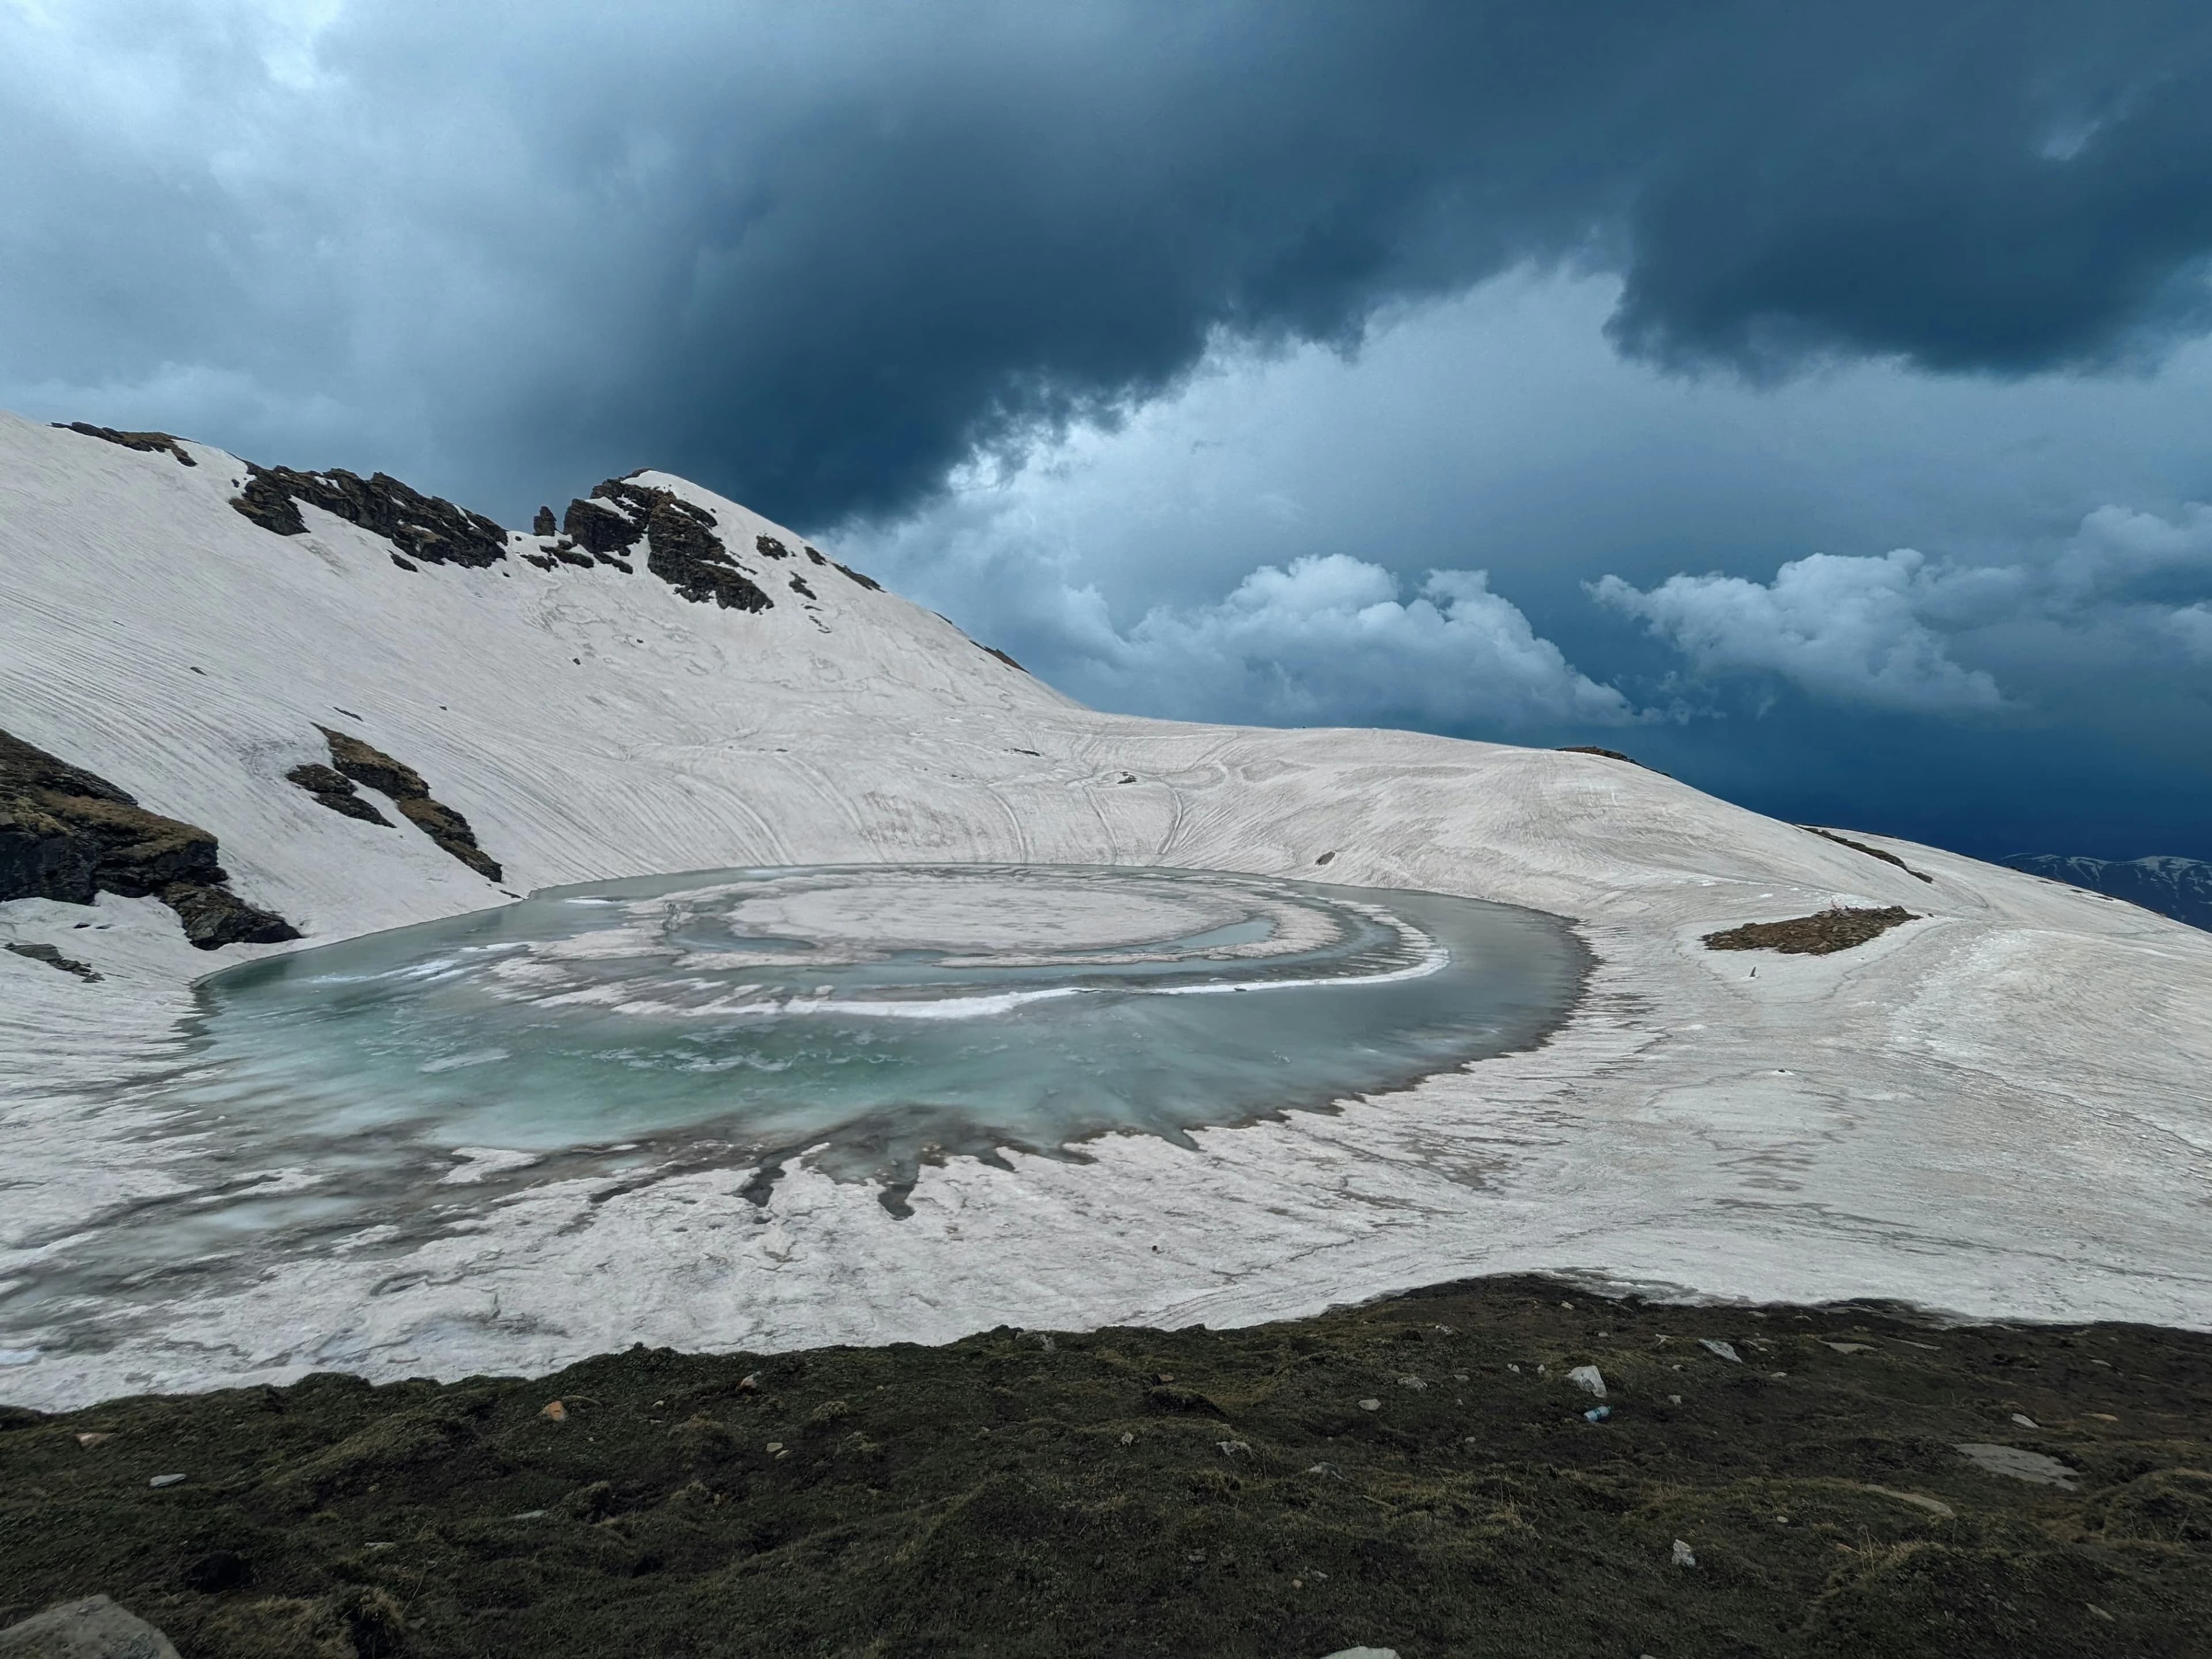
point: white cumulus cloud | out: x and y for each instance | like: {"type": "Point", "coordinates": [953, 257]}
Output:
{"type": "Point", "coordinates": [1330, 638]}
{"type": "Point", "coordinates": [1852, 630]}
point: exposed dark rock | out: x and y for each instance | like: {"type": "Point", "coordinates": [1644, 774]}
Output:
{"type": "Point", "coordinates": [213, 915]}
{"type": "Point", "coordinates": [1861, 846]}
{"type": "Point", "coordinates": [600, 528]}
{"type": "Point", "coordinates": [769, 547]}
{"type": "Point", "coordinates": [799, 586]}
{"type": "Point", "coordinates": [543, 524]}
{"type": "Point", "coordinates": [814, 554]}
{"type": "Point", "coordinates": [66, 835]}
{"type": "Point", "coordinates": [1820, 935]}
{"type": "Point", "coordinates": [161, 441]}
{"type": "Point", "coordinates": [569, 556]}
{"type": "Point", "coordinates": [335, 790]}
{"type": "Point", "coordinates": [868, 582]}
{"type": "Point", "coordinates": [52, 957]}
{"type": "Point", "coordinates": [621, 564]}
{"type": "Point", "coordinates": [682, 547]}
{"type": "Point", "coordinates": [266, 501]}
{"type": "Point", "coordinates": [365, 765]}
{"type": "Point", "coordinates": [993, 651]}
{"type": "Point", "coordinates": [544, 562]}
{"type": "Point", "coordinates": [404, 563]}
{"type": "Point", "coordinates": [428, 528]}
{"type": "Point", "coordinates": [451, 831]}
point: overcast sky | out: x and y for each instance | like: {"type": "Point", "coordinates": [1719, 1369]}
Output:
{"type": "Point", "coordinates": [1812, 400]}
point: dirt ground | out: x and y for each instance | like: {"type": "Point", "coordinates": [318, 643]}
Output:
{"type": "Point", "coordinates": [1820, 934]}
{"type": "Point", "coordinates": [1418, 1473]}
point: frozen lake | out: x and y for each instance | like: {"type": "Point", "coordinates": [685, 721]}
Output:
{"type": "Point", "coordinates": [371, 1093]}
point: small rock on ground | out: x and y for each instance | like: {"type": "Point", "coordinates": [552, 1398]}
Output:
{"type": "Point", "coordinates": [93, 1628]}
{"type": "Point", "coordinates": [2021, 1465]}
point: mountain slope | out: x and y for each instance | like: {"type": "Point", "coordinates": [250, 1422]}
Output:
{"type": "Point", "coordinates": [1964, 1111]}
{"type": "Point", "coordinates": [2177, 887]}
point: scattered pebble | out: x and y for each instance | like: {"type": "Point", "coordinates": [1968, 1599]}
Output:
{"type": "Point", "coordinates": [1724, 1350]}
{"type": "Point", "coordinates": [555, 1411]}
{"type": "Point", "coordinates": [1674, 1398]}
{"type": "Point", "coordinates": [773, 1446]}
{"type": "Point", "coordinates": [1412, 1382]}
{"type": "Point", "coordinates": [1849, 1347]}
{"type": "Point", "coordinates": [165, 1480]}
{"type": "Point", "coordinates": [2025, 1422]}
{"type": "Point", "coordinates": [1370, 1405]}
{"type": "Point", "coordinates": [94, 1438]}
{"type": "Point", "coordinates": [1683, 1555]}
{"type": "Point", "coordinates": [1234, 1447]}
{"type": "Point", "coordinates": [1127, 1438]}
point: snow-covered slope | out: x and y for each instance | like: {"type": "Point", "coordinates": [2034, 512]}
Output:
{"type": "Point", "coordinates": [1995, 1110]}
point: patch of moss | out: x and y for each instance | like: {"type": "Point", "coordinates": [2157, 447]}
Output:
{"type": "Point", "coordinates": [1818, 935]}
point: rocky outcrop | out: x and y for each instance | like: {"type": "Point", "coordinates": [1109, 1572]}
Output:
{"type": "Point", "coordinates": [333, 789]}
{"type": "Point", "coordinates": [93, 1628]}
{"type": "Point", "coordinates": [161, 442]}
{"type": "Point", "coordinates": [682, 547]}
{"type": "Point", "coordinates": [1861, 846]}
{"type": "Point", "coordinates": [868, 582]}
{"type": "Point", "coordinates": [543, 524]}
{"type": "Point", "coordinates": [67, 835]}
{"type": "Point", "coordinates": [53, 957]}
{"type": "Point", "coordinates": [356, 762]}
{"type": "Point", "coordinates": [426, 528]}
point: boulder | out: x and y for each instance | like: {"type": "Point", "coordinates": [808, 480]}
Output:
{"type": "Point", "coordinates": [93, 1628]}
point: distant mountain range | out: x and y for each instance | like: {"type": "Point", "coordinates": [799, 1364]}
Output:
{"type": "Point", "coordinates": [2177, 887]}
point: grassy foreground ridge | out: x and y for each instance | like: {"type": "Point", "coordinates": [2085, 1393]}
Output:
{"type": "Point", "coordinates": [1381, 1474]}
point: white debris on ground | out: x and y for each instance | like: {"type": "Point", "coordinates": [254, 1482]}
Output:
{"type": "Point", "coordinates": [2021, 1464]}
{"type": "Point", "coordinates": [1994, 1111]}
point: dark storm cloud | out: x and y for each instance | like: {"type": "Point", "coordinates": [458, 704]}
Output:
{"type": "Point", "coordinates": [818, 258]}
